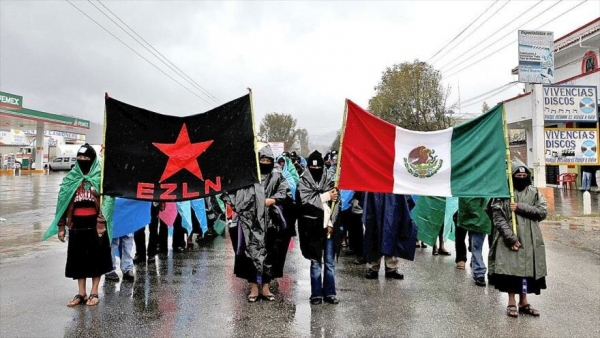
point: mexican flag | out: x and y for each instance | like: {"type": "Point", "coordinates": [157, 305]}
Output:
{"type": "Point", "coordinates": [468, 160]}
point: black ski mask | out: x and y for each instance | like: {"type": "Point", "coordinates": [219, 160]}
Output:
{"type": "Point", "coordinates": [315, 165]}
{"type": "Point", "coordinates": [86, 165]}
{"type": "Point", "coordinates": [520, 183]}
{"type": "Point", "coordinates": [266, 168]}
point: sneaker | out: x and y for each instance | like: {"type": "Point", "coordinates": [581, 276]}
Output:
{"type": "Point", "coordinates": [112, 276]}
{"type": "Point", "coordinates": [480, 281]}
{"type": "Point", "coordinates": [395, 274]}
{"type": "Point", "coordinates": [128, 275]}
{"type": "Point", "coordinates": [371, 274]}
{"type": "Point", "coordinates": [316, 300]}
{"type": "Point", "coordinates": [460, 265]}
{"type": "Point", "coordinates": [332, 300]}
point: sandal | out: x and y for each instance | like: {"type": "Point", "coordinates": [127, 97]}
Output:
{"type": "Point", "coordinates": [77, 300]}
{"type": "Point", "coordinates": [91, 302]}
{"type": "Point", "coordinates": [511, 311]}
{"type": "Point", "coordinates": [434, 252]}
{"type": "Point", "coordinates": [529, 310]}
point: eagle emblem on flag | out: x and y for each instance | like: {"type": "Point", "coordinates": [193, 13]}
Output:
{"type": "Point", "coordinates": [422, 163]}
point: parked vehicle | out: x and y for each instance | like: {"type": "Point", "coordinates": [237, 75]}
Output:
{"type": "Point", "coordinates": [63, 163]}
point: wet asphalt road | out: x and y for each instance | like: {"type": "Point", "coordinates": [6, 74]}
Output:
{"type": "Point", "coordinates": [196, 295]}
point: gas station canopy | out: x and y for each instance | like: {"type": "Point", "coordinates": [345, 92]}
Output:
{"type": "Point", "coordinates": [14, 116]}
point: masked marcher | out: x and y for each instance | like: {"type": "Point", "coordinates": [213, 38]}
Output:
{"type": "Point", "coordinates": [390, 232]}
{"type": "Point", "coordinates": [78, 208]}
{"type": "Point", "coordinates": [279, 221]}
{"type": "Point", "coordinates": [319, 227]}
{"type": "Point", "coordinates": [517, 262]}
{"type": "Point", "coordinates": [247, 234]}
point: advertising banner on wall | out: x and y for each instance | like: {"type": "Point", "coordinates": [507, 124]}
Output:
{"type": "Point", "coordinates": [571, 146]}
{"type": "Point", "coordinates": [570, 103]}
{"type": "Point", "coordinates": [277, 147]}
{"type": "Point", "coordinates": [536, 57]}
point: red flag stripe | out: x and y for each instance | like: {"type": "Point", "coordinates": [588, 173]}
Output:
{"type": "Point", "coordinates": [367, 162]}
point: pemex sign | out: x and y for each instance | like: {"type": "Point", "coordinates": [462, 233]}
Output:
{"type": "Point", "coordinates": [11, 101]}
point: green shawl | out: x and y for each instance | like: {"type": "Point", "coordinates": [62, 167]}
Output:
{"type": "Point", "coordinates": [67, 190]}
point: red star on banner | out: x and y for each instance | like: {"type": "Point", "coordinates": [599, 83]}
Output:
{"type": "Point", "coordinates": [182, 155]}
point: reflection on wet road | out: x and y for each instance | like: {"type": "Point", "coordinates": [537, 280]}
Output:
{"type": "Point", "coordinates": [195, 294]}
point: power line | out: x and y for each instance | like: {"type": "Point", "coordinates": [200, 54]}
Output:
{"type": "Point", "coordinates": [511, 85]}
{"type": "Point", "coordinates": [476, 28]}
{"type": "Point", "coordinates": [141, 44]}
{"type": "Point", "coordinates": [459, 34]}
{"type": "Point", "coordinates": [486, 38]}
{"type": "Point", "coordinates": [136, 52]}
{"type": "Point", "coordinates": [498, 40]}
{"type": "Point", "coordinates": [510, 43]}
{"type": "Point", "coordinates": [494, 91]}
{"type": "Point", "coordinates": [179, 71]}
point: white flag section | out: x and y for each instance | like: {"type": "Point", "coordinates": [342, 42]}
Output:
{"type": "Point", "coordinates": [419, 156]}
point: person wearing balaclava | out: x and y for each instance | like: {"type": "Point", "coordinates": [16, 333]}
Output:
{"type": "Point", "coordinates": [279, 223]}
{"type": "Point", "coordinates": [278, 234]}
{"type": "Point", "coordinates": [517, 262]}
{"type": "Point", "coordinates": [78, 208]}
{"type": "Point", "coordinates": [319, 232]}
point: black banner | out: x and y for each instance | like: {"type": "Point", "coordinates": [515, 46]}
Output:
{"type": "Point", "coordinates": [151, 156]}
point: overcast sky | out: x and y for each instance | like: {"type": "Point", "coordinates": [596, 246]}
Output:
{"type": "Point", "coordinates": [302, 58]}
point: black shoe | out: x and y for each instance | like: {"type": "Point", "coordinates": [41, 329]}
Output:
{"type": "Point", "coordinates": [332, 300]}
{"type": "Point", "coordinates": [370, 274]}
{"type": "Point", "coordinates": [480, 281]}
{"type": "Point", "coordinates": [359, 261]}
{"type": "Point", "coordinates": [152, 259]}
{"type": "Point", "coordinates": [316, 300]}
{"type": "Point", "coordinates": [394, 274]}
{"type": "Point", "coordinates": [179, 249]}
{"type": "Point", "coordinates": [138, 259]}
{"type": "Point", "coordinates": [112, 276]}
{"type": "Point", "coordinates": [128, 275]}
{"type": "Point", "coordinates": [211, 233]}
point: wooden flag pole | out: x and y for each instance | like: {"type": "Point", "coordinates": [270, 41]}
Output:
{"type": "Point", "coordinates": [337, 169]}
{"type": "Point", "coordinates": [342, 133]}
{"type": "Point", "coordinates": [509, 169]}
{"type": "Point", "coordinates": [254, 132]}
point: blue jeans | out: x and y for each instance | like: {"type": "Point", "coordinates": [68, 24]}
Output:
{"type": "Point", "coordinates": [586, 181]}
{"type": "Point", "coordinates": [477, 263]}
{"type": "Point", "coordinates": [320, 287]}
{"type": "Point", "coordinates": [122, 247]}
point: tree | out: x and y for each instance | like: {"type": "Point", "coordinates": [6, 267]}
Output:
{"type": "Point", "coordinates": [411, 95]}
{"type": "Point", "coordinates": [276, 127]}
{"type": "Point", "coordinates": [336, 142]}
{"type": "Point", "coordinates": [485, 107]}
{"type": "Point", "coordinates": [303, 138]}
